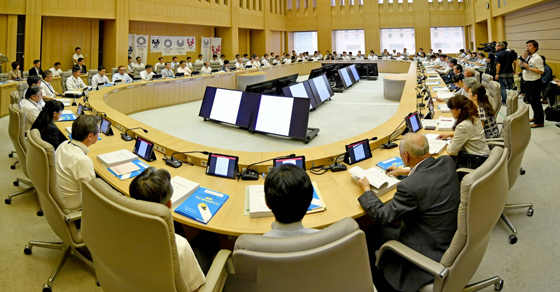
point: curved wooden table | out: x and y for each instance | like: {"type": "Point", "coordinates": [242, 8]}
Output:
{"type": "Point", "coordinates": [339, 192]}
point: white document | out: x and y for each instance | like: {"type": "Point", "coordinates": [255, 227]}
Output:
{"type": "Point", "coordinates": [439, 88]}
{"type": "Point", "coordinates": [446, 124]}
{"type": "Point", "coordinates": [116, 157]}
{"type": "Point", "coordinates": [69, 130]}
{"type": "Point", "coordinates": [67, 112]}
{"type": "Point", "coordinates": [436, 146]}
{"type": "Point", "coordinates": [442, 94]}
{"type": "Point", "coordinates": [444, 108]}
{"type": "Point", "coordinates": [182, 189]}
{"type": "Point", "coordinates": [377, 178]}
{"type": "Point", "coordinates": [429, 123]}
{"type": "Point", "coordinates": [257, 202]}
{"type": "Point", "coordinates": [226, 106]}
{"type": "Point", "coordinates": [275, 115]}
{"type": "Point", "coordinates": [433, 82]}
{"type": "Point", "coordinates": [433, 77]}
{"type": "Point", "coordinates": [222, 165]}
{"type": "Point", "coordinates": [298, 90]}
{"type": "Point", "coordinates": [66, 102]}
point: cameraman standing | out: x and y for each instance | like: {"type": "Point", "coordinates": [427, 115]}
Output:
{"type": "Point", "coordinates": [533, 68]}
{"type": "Point", "coordinates": [504, 69]}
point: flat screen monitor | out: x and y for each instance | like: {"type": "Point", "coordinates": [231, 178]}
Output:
{"type": "Point", "coordinates": [298, 160]}
{"type": "Point", "coordinates": [301, 89]}
{"type": "Point", "coordinates": [413, 122]}
{"type": "Point", "coordinates": [354, 71]}
{"type": "Point", "coordinates": [316, 72]}
{"type": "Point", "coordinates": [357, 152]}
{"type": "Point", "coordinates": [321, 88]}
{"type": "Point", "coordinates": [345, 77]}
{"type": "Point", "coordinates": [283, 116]}
{"type": "Point", "coordinates": [222, 165]}
{"type": "Point", "coordinates": [431, 111]}
{"type": "Point", "coordinates": [261, 87]}
{"type": "Point", "coordinates": [105, 126]}
{"type": "Point", "coordinates": [229, 106]}
{"type": "Point", "coordinates": [286, 81]}
{"type": "Point", "coordinates": [143, 149]}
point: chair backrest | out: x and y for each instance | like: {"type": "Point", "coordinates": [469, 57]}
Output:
{"type": "Point", "coordinates": [516, 132]}
{"type": "Point", "coordinates": [114, 71]}
{"type": "Point", "coordinates": [137, 71]}
{"type": "Point", "coordinates": [25, 74]}
{"type": "Point", "coordinates": [486, 78]}
{"type": "Point", "coordinates": [16, 131]}
{"type": "Point", "coordinates": [63, 78]}
{"type": "Point", "coordinates": [159, 68]}
{"type": "Point", "coordinates": [512, 102]}
{"type": "Point", "coordinates": [128, 238]}
{"type": "Point", "coordinates": [197, 67]}
{"type": "Point", "coordinates": [43, 175]}
{"type": "Point", "coordinates": [14, 98]}
{"type": "Point", "coordinates": [483, 197]}
{"type": "Point", "coordinates": [21, 87]}
{"type": "Point", "coordinates": [495, 87]}
{"type": "Point", "coordinates": [334, 259]}
{"type": "Point", "coordinates": [91, 73]}
{"type": "Point", "coordinates": [4, 77]}
{"type": "Point", "coordinates": [477, 76]}
{"type": "Point", "coordinates": [215, 64]}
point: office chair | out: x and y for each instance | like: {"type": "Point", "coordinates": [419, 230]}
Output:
{"type": "Point", "coordinates": [4, 77]}
{"type": "Point", "coordinates": [512, 102]}
{"type": "Point", "coordinates": [494, 88]}
{"type": "Point", "coordinates": [197, 67]}
{"type": "Point", "coordinates": [483, 196]}
{"type": "Point", "coordinates": [16, 131]}
{"type": "Point", "coordinates": [63, 78]}
{"type": "Point", "coordinates": [14, 99]}
{"type": "Point", "coordinates": [21, 87]}
{"type": "Point", "coordinates": [159, 68]}
{"type": "Point", "coordinates": [486, 78]}
{"type": "Point", "coordinates": [516, 134]}
{"type": "Point", "coordinates": [116, 228]}
{"type": "Point", "coordinates": [25, 74]}
{"type": "Point", "coordinates": [114, 71]}
{"type": "Point", "coordinates": [334, 259]}
{"type": "Point", "coordinates": [215, 65]}
{"type": "Point", "coordinates": [137, 71]}
{"type": "Point", "coordinates": [43, 174]}
{"type": "Point", "coordinates": [477, 76]}
{"type": "Point", "coordinates": [91, 73]}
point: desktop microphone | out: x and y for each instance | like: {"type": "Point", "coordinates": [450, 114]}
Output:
{"type": "Point", "coordinates": [250, 174]}
{"type": "Point", "coordinates": [336, 167]}
{"type": "Point", "coordinates": [127, 138]}
{"type": "Point", "coordinates": [389, 144]}
{"type": "Point", "coordinates": [178, 163]}
{"type": "Point", "coordinates": [104, 113]}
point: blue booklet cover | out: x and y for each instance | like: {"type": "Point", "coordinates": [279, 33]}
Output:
{"type": "Point", "coordinates": [395, 161]}
{"type": "Point", "coordinates": [315, 202]}
{"type": "Point", "coordinates": [202, 205]}
{"type": "Point", "coordinates": [135, 173]}
{"type": "Point", "coordinates": [67, 117]}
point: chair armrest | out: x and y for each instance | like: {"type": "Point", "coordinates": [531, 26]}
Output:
{"type": "Point", "coordinates": [495, 140]}
{"type": "Point", "coordinates": [465, 170]}
{"type": "Point", "coordinates": [495, 143]}
{"type": "Point", "coordinates": [73, 216]}
{"type": "Point", "coordinates": [217, 275]}
{"type": "Point", "coordinates": [423, 262]}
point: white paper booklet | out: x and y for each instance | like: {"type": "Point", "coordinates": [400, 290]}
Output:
{"type": "Point", "coordinates": [436, 146]}
{"type": "Point", "coordinates": [379, 181]}
{"type": "Point", "coordinates": [429, 122]}
{"type": "Point", "coordinates": [116, 157]}
{"type": "Point", "coordinates": [182, 189]}
{"type": "Point", "coordinates": [444, 108]}
{"type": "Point", "coordinates": [255, 203]}
{"type": "Point", "coordinates": [442, 94]}
{"type": "Point", "coordinates": [446, 124]}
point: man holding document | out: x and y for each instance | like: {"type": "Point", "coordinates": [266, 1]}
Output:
{"type": "Point", "coordinates": [421, 215]}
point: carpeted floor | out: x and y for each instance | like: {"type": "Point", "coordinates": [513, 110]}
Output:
{"type": "Point", "coordinates": [529, 265]}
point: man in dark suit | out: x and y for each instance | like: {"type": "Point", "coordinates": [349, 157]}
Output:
{"type": "Point", "coordinates": [421, 215]}
{"type": "Point", "coordinates": [36, 69]}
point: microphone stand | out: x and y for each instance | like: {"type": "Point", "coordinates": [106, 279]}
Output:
{"type": "Point", "coordinates": [336, 167]}
{"type": "Point", "coordinates": [178, 163]}
{"type": "Point", "coordinates": [128, 138]}
{"type": "Point", "coordinates": [250, 174]}
{"type": "Point", "coordinates": [389, 144]}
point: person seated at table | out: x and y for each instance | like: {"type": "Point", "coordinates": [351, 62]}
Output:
{"type": "Point", "coordinates": [45, 123]}
{"type": "Point", "coordinates": [121, 75]}
{"type": "Point", "coordinates": [130, 66]}
{"type": "Point", "coordinates": [100, 77]}
{"type": "Point", "coordinates": [56, 71]}
{"type": "Point", "coordinates": [175, 62]}
{"type": "Point", "coordinates": [288, 193]}
{"type": "Point", "coordinates": [345, 56]}
{"type": "Point", "coordinates": [77, 55]}
{"type": "Point", "coordinates": [277, 61]}
{"type": "Point", "coordinates": [15, 73]}
{"type": "Point", "coordinates": [83, 68]}
{"type": "Point", "coordinates": [183, 68]}
{"type": "Point", "coordinates": [288, 59]}
{"type": "Point", "coordinates": [190, 64]}
{"type": "Point", "coordinates": [225, 66]}
{"type": "Point", "coordinates": [46, 87]}
{"type": "Point", "coordinates": [206, 69]}
{"type": "Point", "coordinates": [147, 74]}
{"type": "Point", "coordinates": [139, 63]}
{"type": "Point", "coordinates": [73, 166]}
{"type": "Point", "coordinates": [386, 56]}
{"type": "Point", "coordinates": [167, 72]}
{"type": "Point", "coordinates": [481, 61]}
{"type": "Point", "coordinates": [399, 57]}
{"type": "Point", "coordinates": [469, 72]}
{"type": "Point", "coordinates": [422, 57]}
{"type": "Point", "coordinates": [32, 105]}
{"type": "Point", "coordinates": [372, 56]}
{"type": "Point", "coordinates": [301, 58]}
{"type": "Point", "coordinates": [74, 82]}
{"type": "Point", "coordinates": [421, 215]}
{"type": "Point", "coordinates": [478, 96]}
{"type": "Point", "coordinates": [239, 64]}
{"type": "Point", "coordinates": [221, 59]}
{"type": "Point", "coordinates": [160, 62]}
{"type": "Point", "coordinates": [265, 61]}
{"type": "Point", "coordinates": [195, 258]}
{"type": "Point", "coordinates": [36, 69]}
{"type": "Point", "coordinates": [199, 61]}
{"type": "Point", "coordinates": [468, 132]}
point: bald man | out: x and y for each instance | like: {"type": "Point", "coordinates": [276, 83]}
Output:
{"type": "Point", "coordinates": [469, 72]}
{"type": "Point", "coordinates": [421, 215]}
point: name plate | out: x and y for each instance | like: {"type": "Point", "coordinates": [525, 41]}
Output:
{"type": "Point", "coordinates": [116, 90]}
{"type": "Point", "coordinates": [129, 87]}
{"type": "Point", "coordinates": [178, 81]}
{"type": "Point", "coordinates": [149, 84]}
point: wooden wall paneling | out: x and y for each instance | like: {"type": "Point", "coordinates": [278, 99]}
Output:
{"type": "Point", "coordinates": [183, 12]}
{"type": "Point", "coordinates": [110, 45]}
{"type": "Point", "coordinates": [289, 37]}
{"type": "Point", "coordinates": [422, 17]}
{"type": "Point", "coordinates": [372, 35]}
{"type": "Point", "coordinates": [515, 5]}
{"type": "Point", "coordinates": [323, 24]}
{"type": "Point", "coordinates": [275, 42]}
{"type": "Point", "coordinates": [480, 11]}
{"type": "Point", "coordinates": [243, 42]}
{"type": "Point", "coordinates": [33, 20]}
{"type": "Point", "coordinates": [258, 42]}
{"type": "Point", "coordinates": [4, 41]}
{"type": "Point", "coordinates": [104, 9]}
{"type": "Point", "coordinates": [13, 6]}
{"type": "Point", "coordinates": [480, 32]}
{"type": "Point", "coordinates": [11, 39]}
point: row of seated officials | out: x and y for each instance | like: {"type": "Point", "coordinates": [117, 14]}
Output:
{"type": "Point", "coordinates": [422, 214]}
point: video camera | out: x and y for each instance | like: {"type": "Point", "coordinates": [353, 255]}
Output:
{"type": "Point", "coordinates": [487, 47]}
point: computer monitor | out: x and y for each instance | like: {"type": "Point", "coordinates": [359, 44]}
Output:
{"type": "Point", "coordinates": [345, 78]}
{"type": "Point", "coordinates": [316, 72]}
{"type": "Point", "coordinates": [413, 122]}
{"type": "Point", "coordinates": [284, 116]}
{"type": "Point", "coordinates": [431, 111]}
{"type": "Point", "coordinates": [229, 106]}
{"type": "Point", "coordinates": [222, 165]}
{"type": "Point", "coordinates": [143, 149]}
{"type": "Point", "coordinates": [286, 80]}
{"type": "Point", "coordinates": [357, 152]}
{"type": "Point", "coordinates": [354, 71]}
{"type": "Point", "coordinates": [321, 88]}
{"type": "Point", "coordinates": [298, 160]}
{"type": "Point", "coordinates": [178, 75]}
{"type": "Point", "coordinates": [105, 126]}
{"type": "Point", "coordinates": [301, 89]}
{"type": "Point", "coordinates": [265, 87]}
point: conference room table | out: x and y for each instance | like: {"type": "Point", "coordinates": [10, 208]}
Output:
{"type": "Point", "coordinates": [338, 191]}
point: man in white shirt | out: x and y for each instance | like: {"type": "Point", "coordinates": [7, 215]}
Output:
{"type": "Point", "coordinates": [245, 57]}
{"type": "Point", "coordinates": [199, 61]}
{"type": "Point", "coordinates": [100, 77]}
{"type": "Point", "coordinates": [462, 54]}
{"type": "Point", "coordinates": [147, 74]}
{"type": "Point", "coordinates": [249, 64]}
{"type": "Point", "coordinates": [359, 57]}
{"type": "Point", "coordinates": [301, 58]}
{"type": "Point", "coordinates": [74, 82]}
{"type": "Point", "coordinates": [288, 59]}
{"type": "Point", "coordinates": [221, 59]}
{"type": "Point", "coordinates": [206, 69]}
{"type": "Point", "coordinates": [190, 64]}
{"type": "Point", "coordinates": [167, 72]}
{"type": "Point", "coordinates": [121, 75]}
{"type": "Point", "coordinates": [319, 55]}
{"type": "Point", "coordinates": [31, 106]}
{"type": "Point", "coordinates": [130, 66]}
{"type": "Point", "coordinates": [77, 55]}
{"type": "Point", "coordinates": [56, 72]}
{"type": "Point", "coordinates": [372, 55]}
{"type": "Point", "coordinates": [399, 57]}
{"type": "Point", "coordinates": [326, 55]}
{"type": "Point", "coordinates": [160, 62]}
{"type": "Point", "coordinates": [264, 61]}
{"type": "Point", "coordinates": [174, 62]}
{"type": "Point", "coordinates": [394, 54]}
{"type": "Point", "coordinates": [386, 56]}
{"type": "Point", "coordinates": [215, 58]}
{"type": "Point", "coordinates": [256, 62]}
{"type": "Point", "coordinates": [239, 64]}
{"type": "Point", "coordinates": [315, 57]}
{"type": "Point", "coordinates": [481, 60]}
{"type": "Point", "coordinates": [46, 87]}
{"type": "Point", "coordinates": [183, 68]}
{"type": "Point", "coordinates": [139, 63]}
{"type": "Point", "coordinates": [533, 68]}
{"type": "Point", "coordinates": [277, 61]}
{"type": "Point", "coordinates": [288, 193]}
{"type": "Point", "coordinates": [73, 166]}
{"type": "Point", "coordinates": [405, 54]}
{"type": "Point", "coordinates": [345, 57]}
{"type": "Point", "coordinates": [154, 185]}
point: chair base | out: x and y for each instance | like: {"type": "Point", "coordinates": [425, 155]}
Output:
{"type": "Point", "coordinates": [11, 155]}
{"type": "Point", "coordinates": [8, 200]}
{"type": "Point", "coordinates": [513, 236]}
{"type": "Point", "coordinates": [67, 252]}
{"type": "Point", "coordinates": [496, 281]}
{"type": "Point", "coordinates": [13, 166]}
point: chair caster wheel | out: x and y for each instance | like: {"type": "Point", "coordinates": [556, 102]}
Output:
{"type": "Point", "coordinates": [40, 213]}
{"type": "Point", "coordinates": [522, 172]}
{"type": "Point", "coordinates": [11, 155]}
{"type": "Point", "coordinates": [47, 288]}
{"type": "Point", "coordinates": [530, 212]}
{"type": "Point", "coordinates": [16, 183]}
{"type": "Point", "coordinates": [512, 239]}
{"type": "Point", "coordinates": [498, 286]}
{"type": "Point", "coordinates": [12, 167]}
{"type": "Point", "coordinates": [98, 285]}
{"type": "Point", "coordinates": [8, 201]}
{"type": "Point", "coordinates": [27, 250]}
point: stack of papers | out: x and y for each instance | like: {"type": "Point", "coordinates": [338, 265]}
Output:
{"type": "Point", "coordinates": [379, 181]}
{"type": "Point", "coordinates": [429, 123]}
{"type": "Point", "coordinates": [433, 77]}
{"type": "Point", "coordinates": [117, 157]}
{"type": "Point", "coordinates": [431, 71]}
{"type": "Point", "coordinates": [255, 202]}
{"type": "Point", "coordinates": [65, 101]}
{"type": "Point", "coordinates": [436, 146]}
{"type": "Point", "coordinates": [442, 94]}
{"type": "Point", "coordinates": [135, 170]}
{"type": "Point", "coordinates": [182, 189]}
{"type": "Point", "coordinates": [124, 168]}
{"type": "Point", "coordinates": [444, 108]}
{"type": "Point", "coordinates": [433, 82]}
{"type": "Point", "coordinates": [67, 115]}
{"type": "Point", "coordinates": [446, 124]}
{"type": "Point", "coordinates": [438, 88]}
